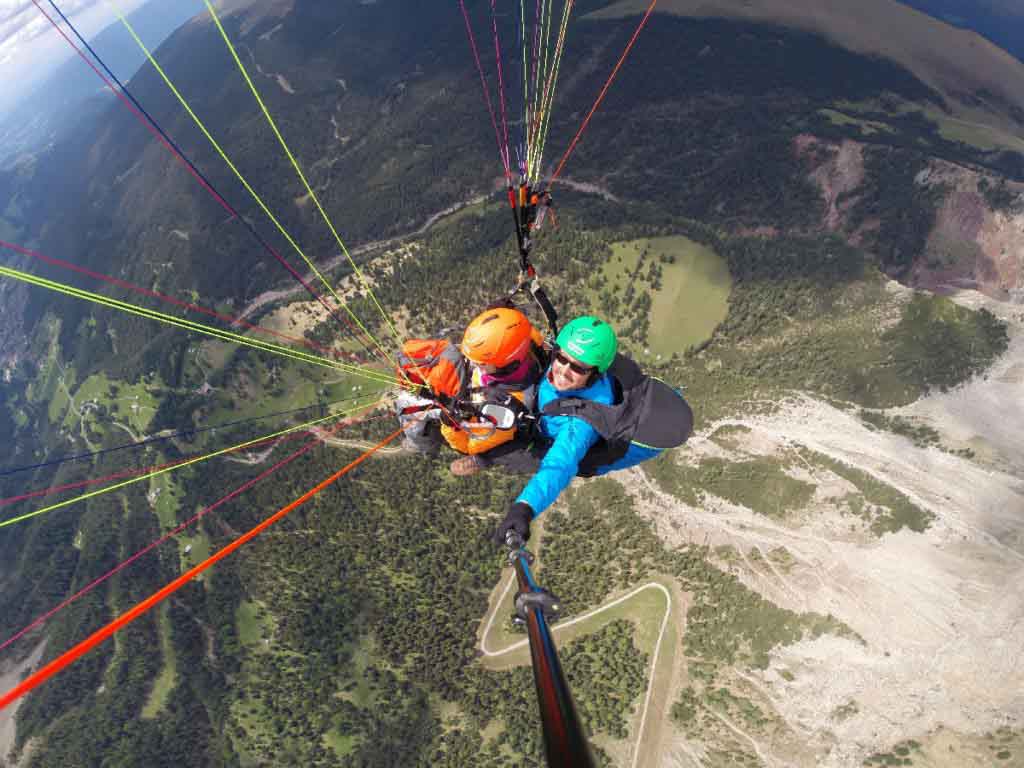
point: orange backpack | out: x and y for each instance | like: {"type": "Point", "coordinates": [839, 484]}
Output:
{"type": "Point", "coordinates": [436, 363]}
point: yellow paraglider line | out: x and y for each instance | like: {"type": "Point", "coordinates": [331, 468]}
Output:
{"type": "Point", "coordinates": [301, 175]}
{"type": "Point", "coordinates": [182, 465]}
{"type": "Point", "coordinates": [191, 325]}
{"type": "Point", "coordinates": [280, 227]}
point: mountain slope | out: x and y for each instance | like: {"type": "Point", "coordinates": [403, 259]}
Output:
{"type": "Point", "coordinates": [73, 96]}
{"type": "Point", "coordinates": [979, 82]}
{"type": "Point", "coordinates": [1001, 21]}
{"type": "Point", "coordinates": [329, 641]}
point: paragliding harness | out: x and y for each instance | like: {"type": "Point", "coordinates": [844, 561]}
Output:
{"type": "Point", "coordinates": [439, 366]}
{"type": "Point", "coordinates": [528, 209]}
{"type": "Point", "coordinates": [453, 395]}
{"type": "Point", "coordinates": [646, 412]}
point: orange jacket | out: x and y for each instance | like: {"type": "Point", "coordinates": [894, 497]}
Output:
{"type": "Point", "coordinates": [438, 364]}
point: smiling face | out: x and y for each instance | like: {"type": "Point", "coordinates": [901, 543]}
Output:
{"type": "Point", "coordinates": [567, 373]}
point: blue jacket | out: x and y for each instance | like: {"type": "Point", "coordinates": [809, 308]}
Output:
{"type": "Point", "coordinates": [571, 438]}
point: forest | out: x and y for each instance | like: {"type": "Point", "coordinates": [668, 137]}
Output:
{"type": "Point", "coordinates": [347, 635]}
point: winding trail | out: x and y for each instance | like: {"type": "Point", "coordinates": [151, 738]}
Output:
{"type": "Point", "coordinates": [583, 617]}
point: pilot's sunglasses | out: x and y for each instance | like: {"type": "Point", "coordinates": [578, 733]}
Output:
{"type": "Point", "coordinates": [580, 370]}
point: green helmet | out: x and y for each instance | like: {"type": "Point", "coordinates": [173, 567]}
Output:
{"type": "Point", "coordinates": [589, 340]}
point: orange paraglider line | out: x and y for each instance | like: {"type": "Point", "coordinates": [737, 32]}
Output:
{"type": "Point", "coordinates": [99, 636]}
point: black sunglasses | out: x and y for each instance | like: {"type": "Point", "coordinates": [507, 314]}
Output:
{"type": "Point", "coordinates": [581, 370]}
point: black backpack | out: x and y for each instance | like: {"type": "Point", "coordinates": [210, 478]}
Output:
{"type": "Point", "coordinates": [646, 411]}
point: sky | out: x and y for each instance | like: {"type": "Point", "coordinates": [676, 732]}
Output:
{"type": "Point", "coordinates": [29, 46]}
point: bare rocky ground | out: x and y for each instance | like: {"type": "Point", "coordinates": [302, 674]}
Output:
{"type": "Point", "coordinates": [940, 612]}
{"type": "Point", "coordinates": [10, 676]}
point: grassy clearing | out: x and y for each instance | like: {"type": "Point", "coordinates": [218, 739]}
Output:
{"type": "Point", "coordinates": [271, 387]}
{"type": "Point", "coordinates": [975, 134]}
{"type": "Point", "coordinates": [60, 403]}
{"type": "Point", "coordinates": [966, 128]}
{"type": "Point", "coordinates": [866, 127]}
{"type": "Point", "coordinates": [193, 549]}
{"type": "Point", "coordinates": [666, 293]}
{"type": "Point", "coordinates": [102, 401]}
{"type": "Point", "coordinates": [339, 743]}
{"type": "Point", "coordinates": [255, 625]}
{"type": "Point", "coordinates": [165, 496]}
{"type": "Point", "coordinates": [168, 672]}
{"type": "Point", "coordinates": [882, 506]}
{"type": "Point", "coordinates": [44, 387]}
{"type": "Point", "coordinates": [759, 484]}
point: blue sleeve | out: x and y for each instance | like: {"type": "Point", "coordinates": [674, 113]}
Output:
{"type": "Point", "coordinates": [559, 465]}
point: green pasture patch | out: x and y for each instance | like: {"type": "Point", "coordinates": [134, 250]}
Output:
{"type": "Point", "coordinates": [666, 293]}
{"type": "Point", "coordinates": [885, 508]}
{"type": "Point", "coordinates": [45, 385]}
{"type": "Point", "coordinates": [759, 484]}
{"type": "Point", "coordinates": [340, 744]}
{"type": "Point", "coordinates": [977, 135]}
{"type": "Point", "coordinates": [165, 497]}
{"type": "Point", "coordinates": [198, 549]}
{"type": "Point", "coordinates": [866, 127]}
{"type": "Point", "coordinates": [254, 624]}
{"type": "Point", "coordinates": [60, 403]}
{"type": "Point", "coordinates": [265, 387]}
{"type": "Point", "coordinates": [135, 404]}
{"type": "Point", "coordinates": [131, 404]}
{"type": "Point", "coordinates": [168, 672]}
{"type": "Point", "coordinates": [95, 387]}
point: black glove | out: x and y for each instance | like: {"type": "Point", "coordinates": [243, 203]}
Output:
{"type": "Point", "coordinates": [516, 519]}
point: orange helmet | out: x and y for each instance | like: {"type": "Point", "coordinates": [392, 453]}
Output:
{"type": "Point", "coordinates": [497, 337]}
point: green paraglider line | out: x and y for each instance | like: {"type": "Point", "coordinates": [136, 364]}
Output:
{"type": "Point", "coordinates": [177, 466]}
{"type": "Point", "coordinates": [190, 325]}
{"type": "Point", "coordinates": [103, 634]}
{"type": "Point", "coordinates": [133, 105]}
{"type": "Point", "coordinates": [172, 533]}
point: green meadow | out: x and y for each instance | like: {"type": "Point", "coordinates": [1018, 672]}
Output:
{"type": "Point", "coordinates": [688, 286]}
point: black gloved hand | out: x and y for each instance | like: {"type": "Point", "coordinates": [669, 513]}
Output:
{"type": "Point", "coordinates": [516, 519]}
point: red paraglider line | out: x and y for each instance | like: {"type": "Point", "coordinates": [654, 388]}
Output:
{"type": "Point", "coordinates": [95, 639]}
{"type": "Point", "coordinates": [502, 152]}
{"type": "Point", "coordinates": [163, 297]}
{"type": "Point", "coordinates": [224, 204]}
{"type": "Point", "coordinates": [501, 83]}
{"type": "Point", "coordinates": [600, 98]}
{"type": "Point", "coordinates": [130, 473]}
{"type": "Point", "coordinates": [129, 101]}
